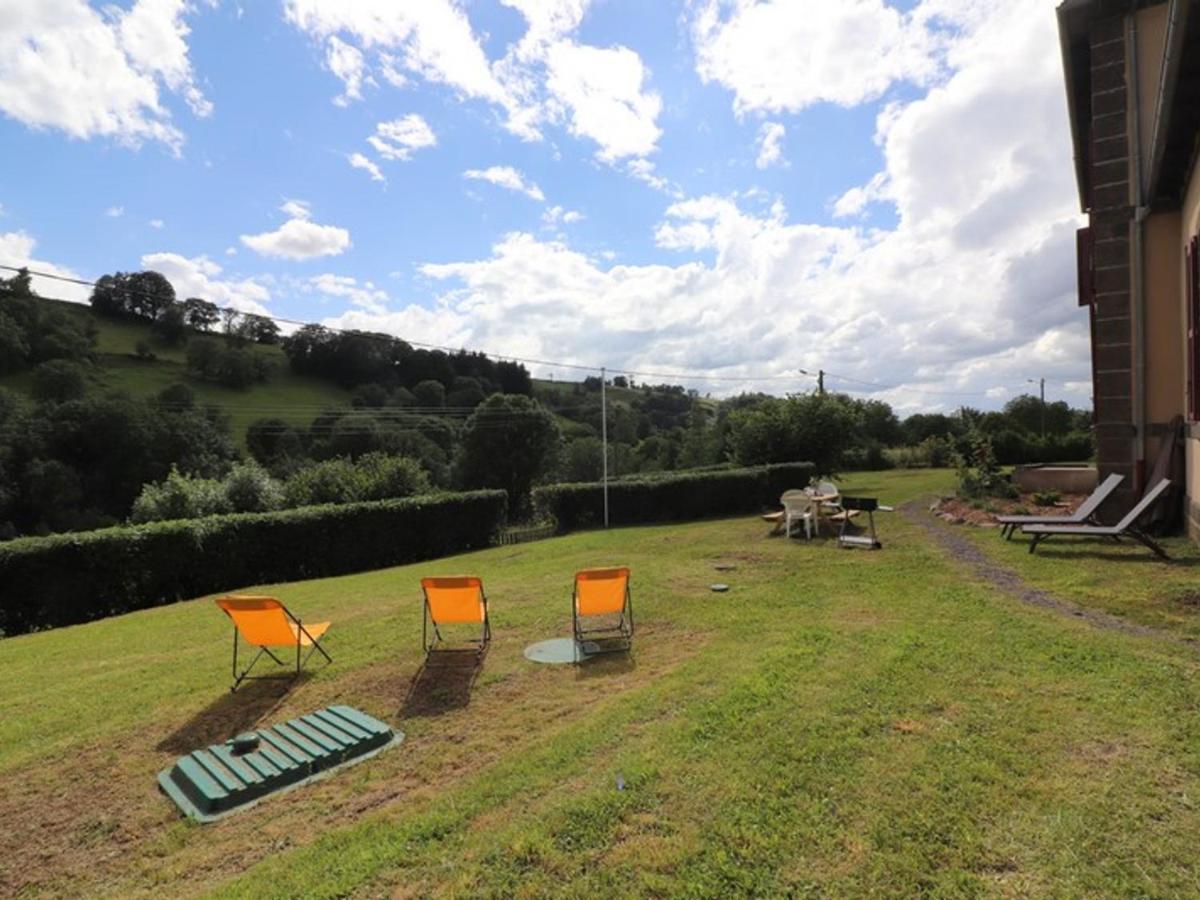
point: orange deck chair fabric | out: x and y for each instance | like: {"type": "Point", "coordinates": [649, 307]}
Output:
{"type": "Point", "coordinates": [267, 624]}
{"type": "Point", "coordinates": [454, 599]}
{"type": "Point", "coordinates": [603, 592]}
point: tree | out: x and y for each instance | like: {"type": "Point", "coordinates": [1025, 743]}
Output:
{"type": "Point", "coordinates": [430, 394]}
{"type": "Point", "coordinates": [814, 428]}
{"type": "Point", "coordinates": [272, 440]}
{"type": "Point", "coordinates": [171, 324]}
{"type": "Point", "coordinates": [200, 314]}
{"type": "Point", "coordinates": [259, 329]}
{"type": "Point", "coordinates": [59, 380]}
{"type": "Point", "coordinates": [14, 349]}
{"type": "Point", "coordinates": [583, 460]}
{"type": "Point", "coordinates": [141, 294]}
{"type": "Point", "coordinates": [19, 285]}
{"type": "Point", "coordinates": [509, 442]}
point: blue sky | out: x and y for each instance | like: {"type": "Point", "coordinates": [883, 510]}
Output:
{"type": "Point", "coordinates": [723, 189]}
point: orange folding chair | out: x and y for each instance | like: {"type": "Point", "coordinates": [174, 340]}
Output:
{"type": "Point", "coordinates": [454, 599]}
{"type": "Point", "coordinates": [603, 592]}
{"type": "Point", "coordinates": [264, 622]}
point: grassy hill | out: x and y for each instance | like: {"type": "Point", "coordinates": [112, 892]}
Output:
{"type": "Point", "coordinates": [839, 724]}
{"type": "Point", "coordinates": [296, 399]}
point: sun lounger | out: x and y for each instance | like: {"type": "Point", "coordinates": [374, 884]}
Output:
{"type": "Point", "coordinates": [1083, 515]}
{"type": "Point", "coordinates": [454, 599]}
{"type": "Point", "coordinates": [1127, 527]}
{"type": "Point", "coordinates": [265, 623]}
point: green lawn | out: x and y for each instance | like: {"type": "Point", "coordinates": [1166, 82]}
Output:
{"type": "Point", "coordinates": [840, 723]}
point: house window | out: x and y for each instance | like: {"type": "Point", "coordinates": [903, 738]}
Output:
{"type": "Point", "coordinates": [1192, 275]}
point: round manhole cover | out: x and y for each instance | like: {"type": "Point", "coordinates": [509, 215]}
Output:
{"type": "Point", "coordinates": [556, 651]}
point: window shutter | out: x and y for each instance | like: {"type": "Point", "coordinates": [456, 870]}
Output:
{"type": "Point", "coordinates": [1084, 264]}
{"type": "Point", "coordinates": [1193, 326]}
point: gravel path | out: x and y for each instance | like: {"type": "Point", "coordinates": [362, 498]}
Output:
{"type": "Point", "coordinates": [1005, 579]}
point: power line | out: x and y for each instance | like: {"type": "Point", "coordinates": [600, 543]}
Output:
{"type": "Point", "coordinates": [502, 357]}
{"type": "Point", "coordinates": [425, 345]}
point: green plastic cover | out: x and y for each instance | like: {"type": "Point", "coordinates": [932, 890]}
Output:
{"type": "Point", "coordinates": [212, 782]}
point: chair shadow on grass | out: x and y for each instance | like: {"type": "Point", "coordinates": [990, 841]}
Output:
{"type": "Point", "coordinates": [230, 714]}
{"type": "Point", "coordinates": [611, 662]}
{"type": "Point", "coordinates": [443, 683]}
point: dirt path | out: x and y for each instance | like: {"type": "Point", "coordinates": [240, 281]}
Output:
{"type": "Point", "coordinates": [1006, 580]}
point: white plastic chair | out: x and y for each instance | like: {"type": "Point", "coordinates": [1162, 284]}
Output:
{"type": "Point", "coordinates": [798, 507]}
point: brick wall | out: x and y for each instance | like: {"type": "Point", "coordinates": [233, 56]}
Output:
{"type": "Point", "coordinates": [1111, 215]}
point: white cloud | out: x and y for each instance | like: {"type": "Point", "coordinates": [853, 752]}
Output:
{"type": "Point", "coordinates": [115, 212]}
{"type": "Point", "coordinates": [770, 145]}
{"type": "Point", "coordinates": [365, 295]}
{"type": "Point", "coordinates": [507, 177]}
{"type": "Point", "coordinates": [952, 303]}
{"type": "Point", "coordinates": [157, 224]}
{"type": "Point", "coordinates": [855, 201]}
{"type": "Point", "coordinates": [299, 238]}
{"type": "Point", "coordinates": [296, 209]}
{"type": "Point", "coordinates": [603, 93]}
{"type": "Point", "coordinates": [785, 55]}
{"type": "Point", "coordinates": [199, 276]}
{"type": "Point", "coordinates": [97, 73]}
{"type": "Point", "coordinates": [346, 62]}
{"type": "Point", "coordinates": [432, 38]}
{"type": "Point", "coordinates": [555, 215]}
{"type": "Point", "coordinates": [598, 93]}
{"type": "Point", "coordinates": [358, 161]}
{"type": "Point", "coordinates": [17, 248]}
{"type": "Point", "coordinates": [399, 138]}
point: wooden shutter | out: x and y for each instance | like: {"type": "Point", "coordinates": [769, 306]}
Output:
{"type": "Point", "coordinates": [1086, 271]}
{"type": "Point", "coordinates": [1193, 326]}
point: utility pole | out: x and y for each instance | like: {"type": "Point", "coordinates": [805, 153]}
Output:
{"type": "Point", "coordinates": [1041, 383]}
{"type": "Point", "coordinates": [820, 381]}
{"type": "Point", "coordinates": [604, 437]}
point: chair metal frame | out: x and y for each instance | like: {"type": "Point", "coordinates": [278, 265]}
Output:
{"type": "Point", "coordinates": [427, 619]}
{"type": "Point", "coordinates": [245, 675]}
{"type": "Point", "coordinates": [623, 630]}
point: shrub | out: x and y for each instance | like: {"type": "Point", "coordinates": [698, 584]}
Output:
{"type": "Point", "coordinates": [250, 488]}
{"type": "Point", "coordinates": [59, 380]}
{"type": "Point", "coordinates": [180, 497]}
{"type": "Point", "coordinates": [70, 578]}
{"type": "Point", "coordinates": [665, 498]}
{"type": "Point", "coordinates": [331, 481]}
{"type": "Point", "coordinates": [1046, 498]}
{"type": "Point", "coordinates": [979, 474]}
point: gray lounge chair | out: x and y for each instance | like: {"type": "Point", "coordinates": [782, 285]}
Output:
{"type": "Point", "coordinates": [1127, 527]}
{"type": "Point", "coordinates": [1085, 514]}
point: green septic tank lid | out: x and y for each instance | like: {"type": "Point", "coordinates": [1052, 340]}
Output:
{"type": "Point", "coordinates": [215, 781]}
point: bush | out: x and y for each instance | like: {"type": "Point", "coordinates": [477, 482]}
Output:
{"type": "Point", "coordinates": [979, 474]}
{"type": "Point", "coordinates": [180, 497]}
{"type": "Point", "coordinates": [666, 498]}
{"type": "Point", "coordinates": [250, 488]}
{"type": "Point", "coordinates": [70, 578]}
{"type": "Point", "coordinates": [59, 380]}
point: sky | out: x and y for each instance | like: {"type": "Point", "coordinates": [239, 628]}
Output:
{"type": "Point", "coordinates": [737, 192]}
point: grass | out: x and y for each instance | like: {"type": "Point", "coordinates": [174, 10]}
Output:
{"type": "Point", "coordinates": [840, 723]}
{"type": "Point", "coordinates": [296, 399]}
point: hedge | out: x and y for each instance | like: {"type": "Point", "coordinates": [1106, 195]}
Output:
{"type": "Point", "coordinates": [66, 579]}
{"type": "Point", "coordinates": [689, 495]}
